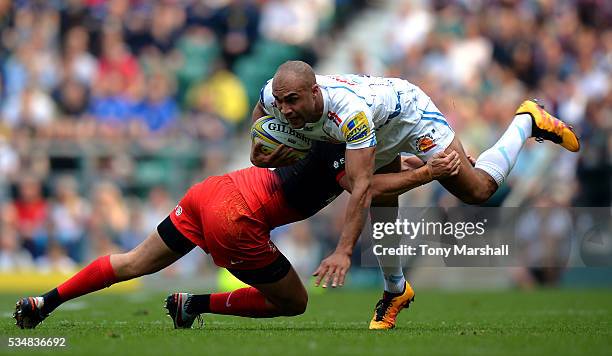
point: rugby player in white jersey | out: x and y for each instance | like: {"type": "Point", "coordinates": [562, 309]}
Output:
{"type": "Point", "coordinates": [378, 118]}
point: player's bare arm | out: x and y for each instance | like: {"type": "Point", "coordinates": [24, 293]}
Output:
{"type": "Point", "coordinates": [359, 171]}
{"type": "Point", "coordinates": [414, 174]}
{"type": "Point", "coordinates": [258, 111]}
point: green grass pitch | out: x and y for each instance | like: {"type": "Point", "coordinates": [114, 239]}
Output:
{"type": "Point", "coordinates": [544, 322]}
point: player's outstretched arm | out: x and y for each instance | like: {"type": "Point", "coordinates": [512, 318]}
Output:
{"type": "Point", "coordinates": [414, 174]}
{"type": "Point", "coordinates": [442, 165]}
{"type": "Point", "coordinates": [359, 170]}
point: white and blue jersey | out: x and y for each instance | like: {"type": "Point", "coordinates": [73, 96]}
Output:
{"type": "Point", "coordinates": [389, 113]}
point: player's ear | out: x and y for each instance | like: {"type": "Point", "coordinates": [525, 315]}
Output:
{"type": "Point", "coordinates": [315, 89]}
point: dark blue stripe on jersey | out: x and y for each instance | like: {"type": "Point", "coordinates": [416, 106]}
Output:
{"type": "Point", "coordinates": [431, 113]}
{"type": "Point", "coordinates": [398, 108]}
{"type": "Point", "coordinates": [261, 94]}
{"type": "Point", "coordinates": [435, 119]}
{"type": "Point", "coordinates": [310, 184]}
{"type": "Point", "coordinates": [261, 98]}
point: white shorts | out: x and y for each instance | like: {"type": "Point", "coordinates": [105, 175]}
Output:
{"type": "Point", "coordinates": [419, 129]}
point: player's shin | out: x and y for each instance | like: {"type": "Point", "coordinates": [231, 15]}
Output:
{"type": "Point", "coordinates": [248, 302]}
{"type": "Point", "coordinates": [498, 160]}
{"type": "Point", "coordinates": [390, 265]}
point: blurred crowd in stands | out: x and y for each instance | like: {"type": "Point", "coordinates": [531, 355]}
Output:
{"type": "Point", "coordinates": [110, 109]}
{"type": "Point", "coordinates": [479, 59]}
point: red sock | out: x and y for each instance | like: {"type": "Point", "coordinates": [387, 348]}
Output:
{"type": "Point", "coordinates": [97, 275]}
{"type": "Point", "coordinates": [241, 302]}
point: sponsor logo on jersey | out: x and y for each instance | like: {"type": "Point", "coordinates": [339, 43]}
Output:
{"type": "Point", "coordinates": [357, 128]}
{"type": "Point", "coordinates": [178, 210]}
{"type": "Point", "coordinates": [425, 143]}
{"type": "Point", "coordinates": [334, 118]}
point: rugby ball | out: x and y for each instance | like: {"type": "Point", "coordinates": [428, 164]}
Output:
{"type": "Point", "coordinates": [271, 132]}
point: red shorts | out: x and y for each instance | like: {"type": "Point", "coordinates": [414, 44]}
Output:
{"type": "Point", "coordinates": [215, 216]}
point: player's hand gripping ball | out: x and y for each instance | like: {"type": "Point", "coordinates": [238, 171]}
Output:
{"type": "Point", "coordinates": [271, 133]}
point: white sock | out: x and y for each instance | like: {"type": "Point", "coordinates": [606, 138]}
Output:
{"type": "Point", "coordinates": [498, 160]}
{"type": "Point", "coordinates": [394, 279]}
{"type": "Point", "coordinates": [391, 267]}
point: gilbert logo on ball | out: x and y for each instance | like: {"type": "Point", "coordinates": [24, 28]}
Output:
{"type": "Point", "coordinates": [272, 132]}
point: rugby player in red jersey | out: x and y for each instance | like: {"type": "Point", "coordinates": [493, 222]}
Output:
{"type": "Point", "coordinates": [230, 217]}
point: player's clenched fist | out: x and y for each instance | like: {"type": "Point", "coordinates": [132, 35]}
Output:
{"type": "Point", "coordinates": [333, 269]}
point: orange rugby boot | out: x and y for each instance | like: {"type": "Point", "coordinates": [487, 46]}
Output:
{"type": "Point", "coordinates": [388, 307]}
{"type": "Point", "coordinates": [547, 127]}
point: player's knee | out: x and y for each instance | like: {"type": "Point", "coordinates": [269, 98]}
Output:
{"type": "Point", "coordinates": [302, 304]}
{"type": "Point", "coordinates": [475, 199]}
{"type": "Point", "coordinates": [295, 306]}
{"type": "Point", "coordinates": [298, 306]}
{"type": "Point", "coordinates": [478, 195]}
